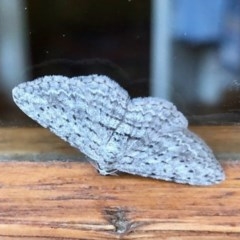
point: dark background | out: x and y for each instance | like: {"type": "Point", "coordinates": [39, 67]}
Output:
{"type": "Point", "coordinates": [73, 37]}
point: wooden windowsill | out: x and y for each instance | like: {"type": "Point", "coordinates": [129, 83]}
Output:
{"type": "Point", "coordinates": [70, 200]}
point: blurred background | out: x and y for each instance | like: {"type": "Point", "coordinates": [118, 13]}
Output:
{"type": "Point", "coordinates": [186, 51]}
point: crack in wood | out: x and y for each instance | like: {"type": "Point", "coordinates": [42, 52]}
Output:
{"type": "Point", "coordinates": [118, 218]}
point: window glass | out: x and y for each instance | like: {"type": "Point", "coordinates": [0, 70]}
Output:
{"type": "Point", "coordinates": [185, 51]}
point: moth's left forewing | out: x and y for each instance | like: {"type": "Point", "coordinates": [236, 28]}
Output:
{"type": "Point", "coordinates": [160, 146]}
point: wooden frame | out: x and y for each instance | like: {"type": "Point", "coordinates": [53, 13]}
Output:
{"type": "Point", "coordinates": [42, 197]}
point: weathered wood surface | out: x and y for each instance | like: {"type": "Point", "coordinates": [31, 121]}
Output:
{"type": "Point", "coordinates": [70, 200]}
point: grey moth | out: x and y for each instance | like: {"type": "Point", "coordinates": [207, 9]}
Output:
{"type": "Point", "coordinates": [143, 136]}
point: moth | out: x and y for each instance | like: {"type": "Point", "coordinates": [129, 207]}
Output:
{"type": "Point", "coordinates": [142, 136]}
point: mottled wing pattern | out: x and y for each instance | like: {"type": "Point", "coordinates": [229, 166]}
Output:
{"type": "Point", "coordinates": [143, 136]}
{"type": "Point", "coordinates": [85, 111]}
{"type": "Point", "coordinates": [159, 145]}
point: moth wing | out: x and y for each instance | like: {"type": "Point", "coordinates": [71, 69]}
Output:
{"type": "Point", "coordinates": [84, 111]}
{"type": "Point", "coordinates": [159, 145]}
{"type": "Point", "coordinates": [178, 156]}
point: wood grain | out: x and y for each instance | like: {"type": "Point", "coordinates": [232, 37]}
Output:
{"type": "Point", "coordinates": [70, 200]}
